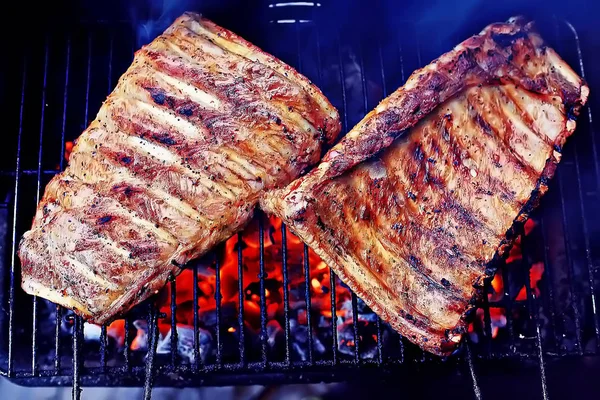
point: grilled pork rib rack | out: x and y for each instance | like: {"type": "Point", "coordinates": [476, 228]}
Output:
{"type": "Point", "coordinates": [198, 126]}
{"type": "Point", "coordinates": [413, 205]}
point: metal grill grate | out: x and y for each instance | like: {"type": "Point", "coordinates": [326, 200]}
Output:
{"type": "Point", "coordinates": [68, 73]}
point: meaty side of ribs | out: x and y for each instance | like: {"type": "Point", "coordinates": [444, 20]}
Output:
{"type": "Point", "coordinates": [198, 126]}
{"type": "Point", "coordinates": [412, 207]}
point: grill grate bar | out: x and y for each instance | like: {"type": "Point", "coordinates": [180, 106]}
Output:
{"type": "Point", "coordinates": [196, 332]}
{"type": "Point", "coordinates": [487, 320]}
{"type": "Point", "coordinates": [103, 343]}
{"type": "Point", "coordinates": [152, 343]}
{"type": "Point", "coordinates": [532, 310]}
{"type": "Point", "coordinates": [333, 317]}
{"type": "Point", "coordinates": [584, 221]}
{"type": "Point", "coordinates": [476, 388]}
{"type": "Point", "coordinates": [508, 306]}
{"type": "Point", "coordinates": [261, 278]}
{"type": "Point", "coordinates": [87, 84]}
{"type": "Point", "coordinates": [31, 172]}
{"type": "Point", "coordinates": [286, 299]}
{"type": "Point", "coordinates": [11, 294]}
{"type": "Point", "coordinates": [218, 299]}
{"type": "Point", "coordinates": [110, 62]}
{"type": "Point", "coordinates": [342, 84]}
{"type": "Point", "coordinates": [533, 314]}
{"type": "Point", "coordinates": [57, 323]}
{"type": "Point", "coordinates": [573, 296]}
{"type": "Point", "coordinates": [34, 344]}
{"type": "Point", "coordinates": [65, 99]}
{"type": "Point", "coordinates": [77, 342]}
{"type": "Point", "coordinates": [306, 264]}
{"type": "Point", "coordinates": [126, 349]}
{"type": "Point", "coordinates": [174, 333]}
{"type": "Point", "coordinates": [241, 342]}
{"type": "Point", "coordinates": [548, 287]}
{"type": "Point", "coordinates": [355, 328]}
{"type": "Point", "coordinates": [318, 45]}
{"type": "Point", "coordinates": [306, 261]}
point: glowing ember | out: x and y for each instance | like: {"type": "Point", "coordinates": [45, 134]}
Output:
{"type": "Point", "coordinates": [515, 253]}
{"type": "Point", "coordinates": [535, 276]}
{"type": "Point", "coordinates": [497, 288]}
{"type": "Point", "coordinates": [497, 321]}
{"type": "Point", "coordinates": [68, 149]}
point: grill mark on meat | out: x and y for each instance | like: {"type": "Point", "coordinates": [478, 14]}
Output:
{"type": "Point", "coordinates": [494, 176]}
{"type": "Point", "coordinates": [90, 274]}
{"type": "Point", "coordinates": [237, 94]}
{"type": "Point", "coordinates": [93, 208]}
{"type": "Point", "coordinates": [506, 131]}
{"type": "Point", "coordinates": [240, 91]}
{"type": "Point", "coordinates": [173, 161]}
{"type": "Point", "coordinates": [528, 121]}
{"type": "Point", "coordinates": [350, 213]}
{"type": "Point", "coordinates": [124, 174]}
{"type": "Point", "coordinates": [310, 109]}
{"type": "Point", "coordinates": [417, 218]}
{"type": "Point", "coordinates": [520, 176]}
{"type": "Point", "coordinates": [437, 181]}
{"type": "Point", "coordinates": [223, 133]}
{"type": "Point", "coordinates": [523, 114]}
{"type": "Point", "coordinates": [391, 282]}
{"type": "Point", "coordinates": [197, 94]}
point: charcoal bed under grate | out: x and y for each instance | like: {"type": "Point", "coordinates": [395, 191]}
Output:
{"type": "Point", "coordinates": [540, 307]}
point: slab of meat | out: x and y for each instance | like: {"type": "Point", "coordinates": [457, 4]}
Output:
{"type": "Point", "coordinates": [198, 126]}
{"type": "Point", "coordinates": [413, 205]}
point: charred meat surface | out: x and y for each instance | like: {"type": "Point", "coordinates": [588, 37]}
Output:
{"type": "Point", "coordinates": [413, 205]}
{"type": "Point", "coordinates": [198, 126]}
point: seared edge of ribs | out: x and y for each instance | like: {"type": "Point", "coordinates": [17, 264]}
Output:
{"type": "Point", "coordinates": [200, 124]}
{"type": "Point", "coordinates": [502, 54]}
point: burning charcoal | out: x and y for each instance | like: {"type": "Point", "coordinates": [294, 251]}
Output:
{"type": "Point", "coordinates": [298, 331]}
{"type": "Point", "coordinates": [299, 339]}
{"type": "Point", "coordinates": [66, 323]}
{"type": "Point", "coordinates": [185, 343]}
{"type": "Point", "coordinates": [477, 327]}
{"type": "Point", "coordinates": [317, 344]}
{"type": "Point", "coordinates": [345, 338]}
{"type": "Point", "coordinates": [346, 310]}
{"type": "Point", "coordinates": [299, 351]}
{"type": "Point", "coordinates": [324, 322]}
{"type": "Point", "coordinates": [367, 336]}
{"type": "Point", "coordinates": [140, 342]}
{"type": "Point", "coordinates": [91, 332]}
{"type": "Point", "coordinates": [364, 312]}
{"type": "Point", "coordinates": [208, 318]}
{"type": "Point", "coordinates": [274, 333]}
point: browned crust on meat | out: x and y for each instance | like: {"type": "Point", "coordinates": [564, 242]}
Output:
{"type": "Point", "coordinates": [198, 126]}
{"type": "Point", "coordinates": [503, 53]}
